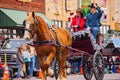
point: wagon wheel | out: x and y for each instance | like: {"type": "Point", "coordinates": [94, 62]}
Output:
{"type": "Point", "coordinates": [98, 66]}
{"type": "Point", "coordinates": [87, 68]}
{"type": "Point", "coordinates": [56, 69]}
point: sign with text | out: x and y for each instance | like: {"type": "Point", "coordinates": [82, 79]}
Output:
{"type": "Point", "coordinates": [85, 6]}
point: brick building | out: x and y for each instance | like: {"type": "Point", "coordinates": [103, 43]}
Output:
{"type": "Point", "coordinates": [59, 11]}
{"type": "Point", "coordinates": [13, 13]}
{"type": "Point", "coordinates": [33, 5]}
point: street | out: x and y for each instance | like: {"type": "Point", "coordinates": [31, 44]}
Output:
{"type": "Point", "coordinates": [114, 76]}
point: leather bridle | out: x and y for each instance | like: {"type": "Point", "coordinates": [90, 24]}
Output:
{"type": "Point", "coordinates": [35, 25]}
{"type": "Point", "coordinates": [39, 43]}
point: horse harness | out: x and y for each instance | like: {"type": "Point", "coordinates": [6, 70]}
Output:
{"type": "Point", "coordinates": [47, 42]}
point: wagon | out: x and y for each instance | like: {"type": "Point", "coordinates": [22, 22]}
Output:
{"type": "Point", "coordinates": [111, 52]}
{"type": "Point", "coordinates": [85, 49]}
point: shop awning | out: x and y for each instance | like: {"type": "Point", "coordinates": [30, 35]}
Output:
{"type": "Point", "coordinates": [10, 17]}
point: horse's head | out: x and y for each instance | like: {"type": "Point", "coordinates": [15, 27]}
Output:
{"type": "Point", "coordinates": [30, 23]}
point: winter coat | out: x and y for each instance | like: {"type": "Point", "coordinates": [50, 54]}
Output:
{"type": "Point", "coordinates": [78, 23]}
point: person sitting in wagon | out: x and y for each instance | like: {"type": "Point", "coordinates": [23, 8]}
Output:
{"type": "Point", "coordinates": [78, 21]}
{"type": "Point", "coordinates": [93, 19]}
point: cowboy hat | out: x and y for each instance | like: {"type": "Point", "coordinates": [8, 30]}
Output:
{"type": "Point", "coordinates": [92, 5]}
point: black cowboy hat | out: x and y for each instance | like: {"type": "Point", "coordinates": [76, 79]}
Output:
{"type": "Point", "coordinates": [92, 5]}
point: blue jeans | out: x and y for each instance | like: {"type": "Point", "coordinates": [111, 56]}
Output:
{"type": "Point", "coordinates": [77, 66]}
{"type": "Point", "coordinates": [95, 31]}
{"type": "Point", "coordinates": [32, 64]}
{"type": "Point", "coordinates": [19, 69]}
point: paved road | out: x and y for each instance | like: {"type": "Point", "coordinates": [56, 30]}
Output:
{"type": "Point", "coordinates": [80, 77]}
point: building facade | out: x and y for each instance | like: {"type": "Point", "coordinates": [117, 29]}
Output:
{"type": "Point", "coordinates": [59, 11]}
{"type": "Point", "coordinates": [26, 5]}
{"type": "Point", "coordinates": [115, 14]}
{"type": "Point", "coordinates": [14, 12]}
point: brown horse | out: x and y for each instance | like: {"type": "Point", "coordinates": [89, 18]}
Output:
{"type": "Point", "coordinates": [43, 35]}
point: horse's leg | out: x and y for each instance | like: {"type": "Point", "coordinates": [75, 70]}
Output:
{"type": "Point", "coordinates": [49, 58]}
{"type": "Point", "coordinates": [64, 70]}
{"type": "Point", "coordinates": [64, 64]}
{"type": "Point", "coordinates": [61, 69]}
{"type": "Point", "coordinates": [42, 67]}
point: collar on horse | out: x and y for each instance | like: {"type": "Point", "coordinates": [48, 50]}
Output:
{"type": "Point", "coordinates": [43, 43]}
{"type": "Point", "coordinates": [51, 42]}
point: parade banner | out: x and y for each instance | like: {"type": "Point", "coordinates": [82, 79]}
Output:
{"type": "Point", "coordinates": [85, 6]}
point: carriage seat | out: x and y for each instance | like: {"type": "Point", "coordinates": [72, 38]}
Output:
{"type": "Point", "coordinates": [83, 44]}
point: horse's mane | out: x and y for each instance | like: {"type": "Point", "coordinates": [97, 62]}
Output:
{"type": "Point", "coordinates": [41, 22]}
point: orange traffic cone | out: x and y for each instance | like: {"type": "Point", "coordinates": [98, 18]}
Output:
{"type": "Point", "coordinates": [81, 71]}
{"type": "Point", "coordinates": [118, 70]}
{"type": "Point", "coordinates": [6, 73]}
{"type": "Point", "coordinates": [40, 74]}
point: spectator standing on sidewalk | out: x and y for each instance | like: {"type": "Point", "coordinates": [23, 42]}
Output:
{"type": "Point", "coordinates": [19, 61]}
{"type": "Point", "coordinates": [0, 63]}
{"type": "Point", "coordinates": [1, 69]}
{"type": "Point", "coordinates": [32, 52]}
{"type": "Point", "coordinates": [26, 56]}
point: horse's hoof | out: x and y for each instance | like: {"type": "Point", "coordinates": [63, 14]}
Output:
{"type": "Point", "coordinates": [50, 72]}
{"type": "Point", "coordinates": [58, 78]}
{"type": "Point", "coordinates": [64, 78]}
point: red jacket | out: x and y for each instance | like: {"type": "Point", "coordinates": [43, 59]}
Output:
{"type": "Point", "coordinates": [0, 65]}
{"type": "Point", "coordinates": [81, 24]}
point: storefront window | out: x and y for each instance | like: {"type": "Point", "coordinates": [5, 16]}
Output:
{"type": "Point", "coordinates": [11, 33]}
{"type": "Point", "coordinates": [59, 23]}
{"type": "Point", "coordinates": [68, 26]}
{"type": "Point", "coordinates": [104, 30]}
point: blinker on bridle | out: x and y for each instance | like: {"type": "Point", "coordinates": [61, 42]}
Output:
{"type": "Point", "coordinates": [35, 24]}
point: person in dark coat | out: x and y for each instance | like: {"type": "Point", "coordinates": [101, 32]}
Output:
{"type": "Point", "coordinates": [93, 19]}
